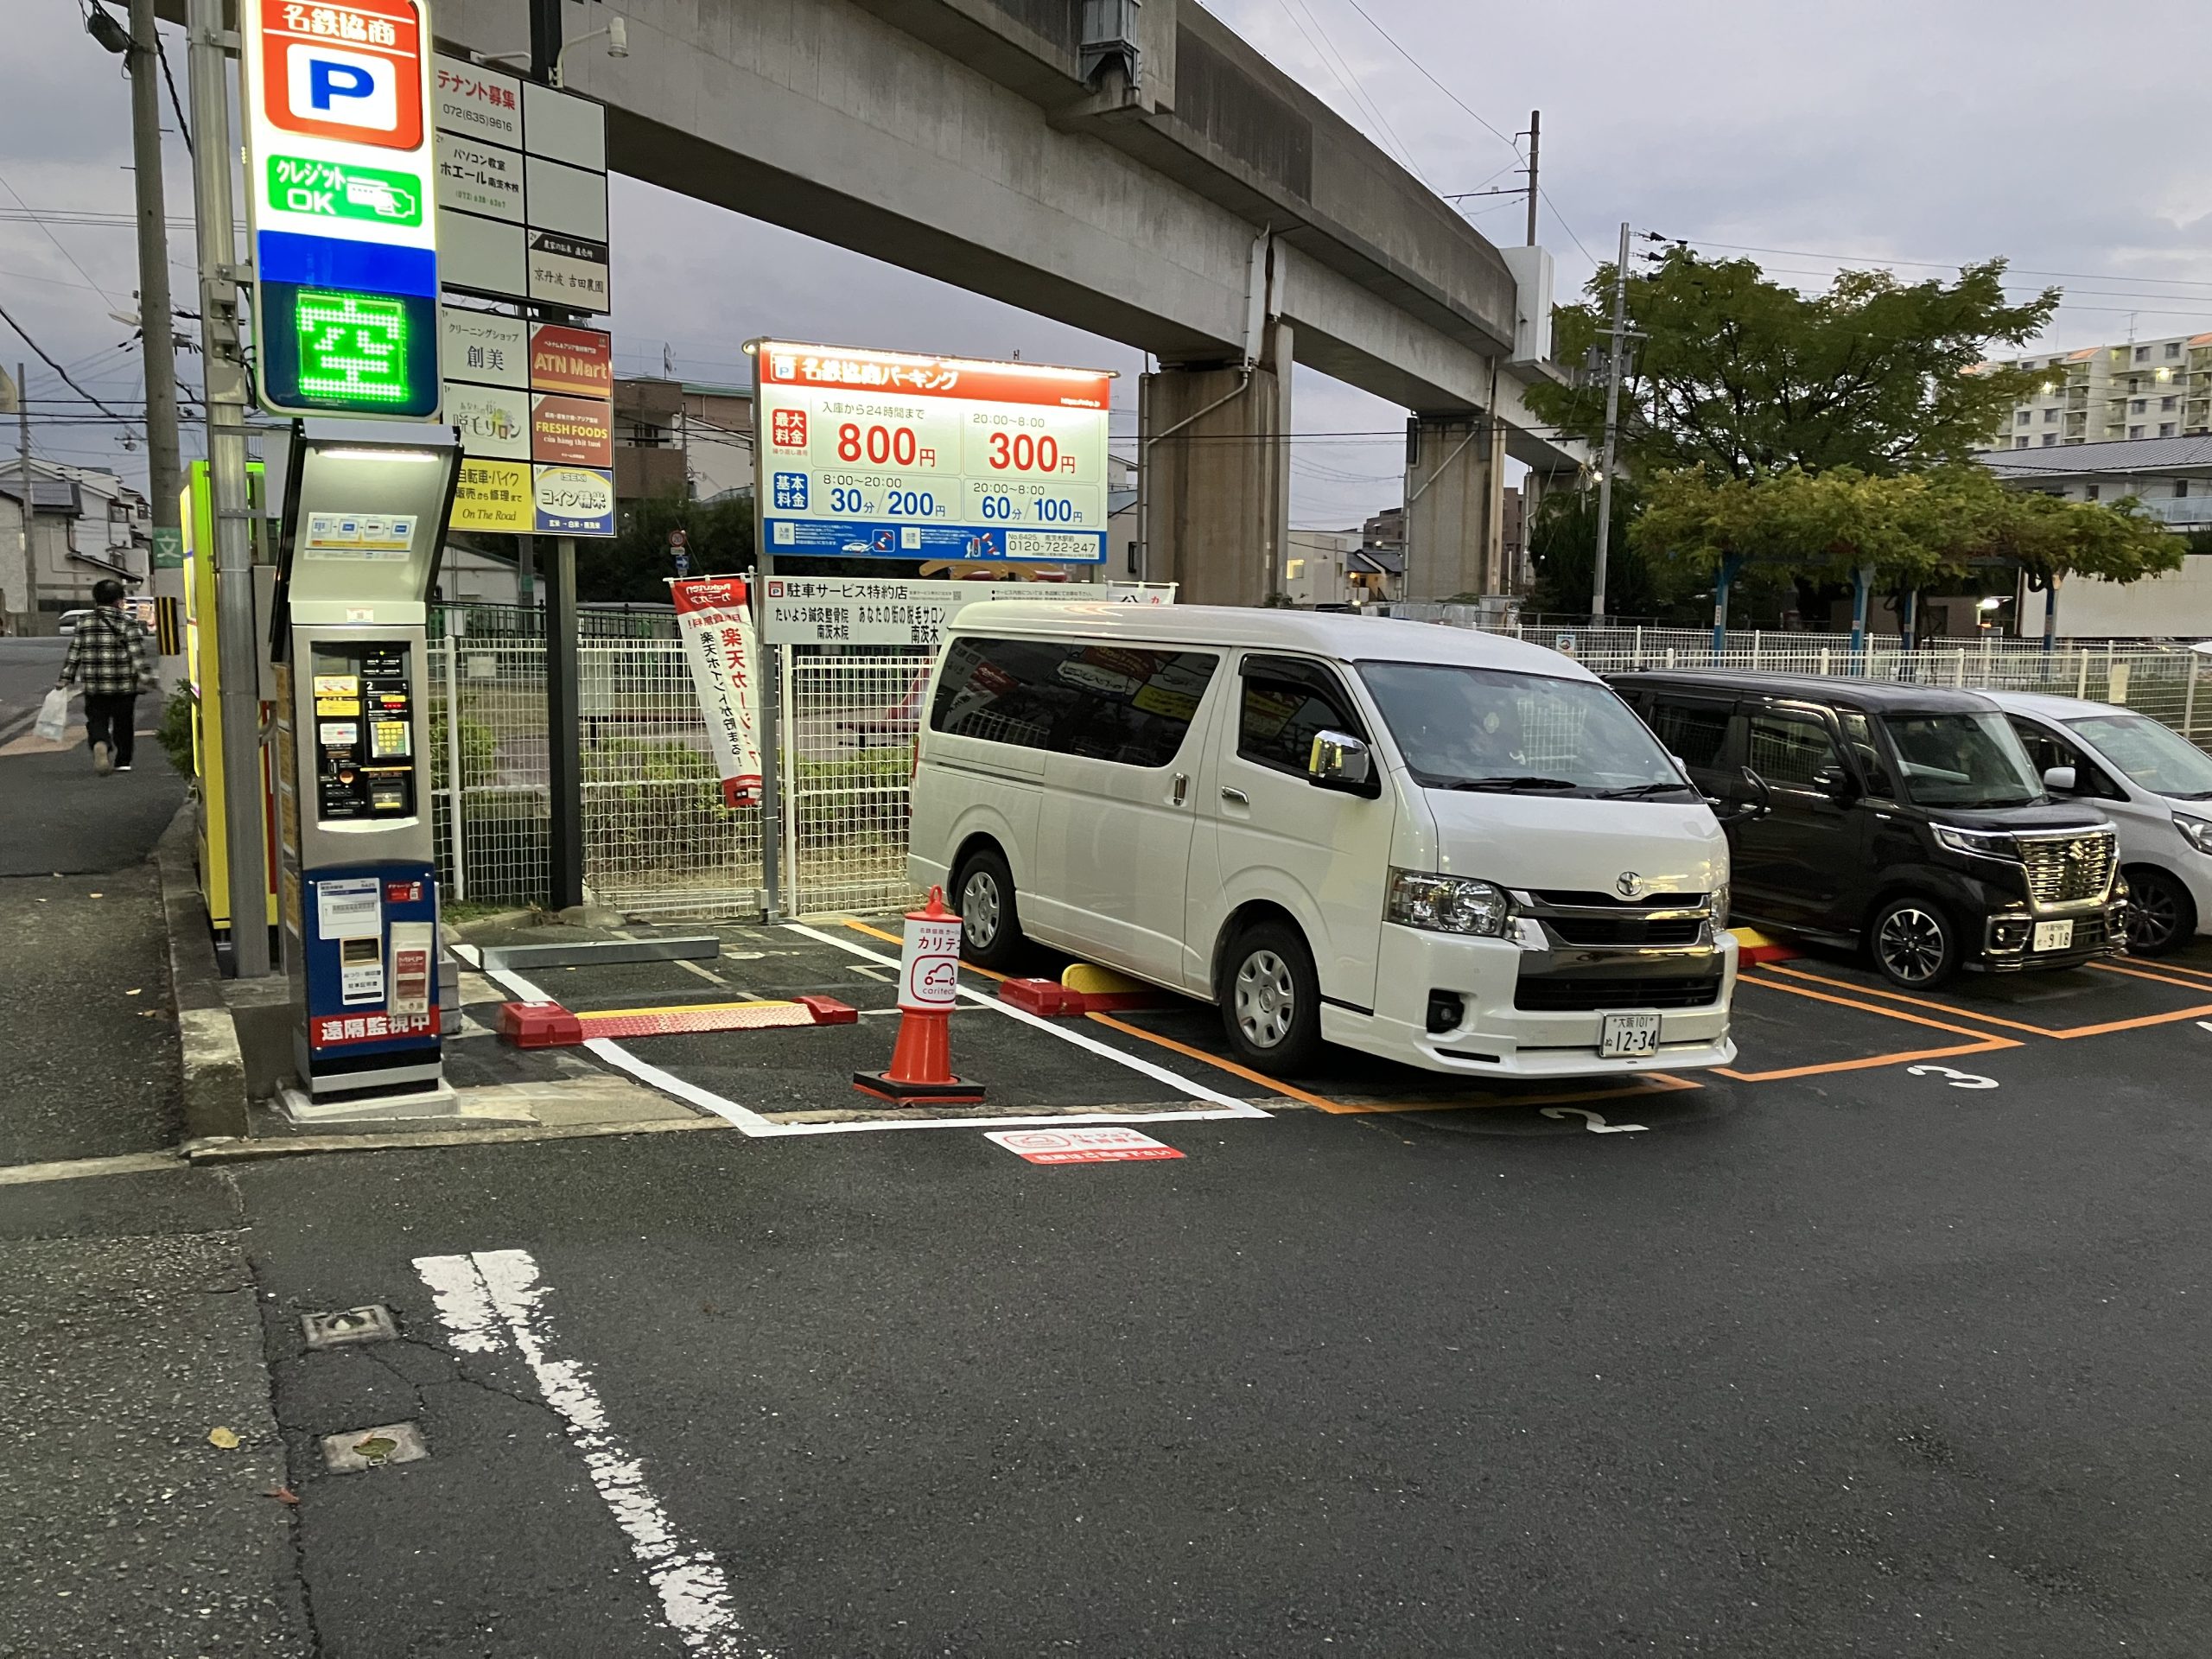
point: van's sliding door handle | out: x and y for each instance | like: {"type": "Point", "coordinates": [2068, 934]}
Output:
{"type": "Point", "coordinates": [1235, 795]}
{"type": "Point", "coordinates": [1182, 786]}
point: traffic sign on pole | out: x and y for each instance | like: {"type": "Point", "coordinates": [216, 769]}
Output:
{"type": "Point", "coordinates": [342, 196]}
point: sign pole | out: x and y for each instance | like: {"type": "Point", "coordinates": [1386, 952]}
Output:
{"type": "Point", "coordinates": [238, 647]}
{"type": "Point", "coordinates": [564, 737]}
{"type": "Point", "coordinates": [772, 745]}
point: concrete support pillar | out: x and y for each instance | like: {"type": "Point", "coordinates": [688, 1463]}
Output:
{"type": "Point", "coordinates": [1215, 479]}
{"type": "Point", "coordinates": [1455, 507]}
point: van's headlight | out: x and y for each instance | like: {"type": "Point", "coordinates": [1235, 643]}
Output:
{"type": "Point", "coordinates": [2198, 830]}
{"type": "Point", "coordinates": [1979, 843]}
{"type": "Point", "coordinates": [1448, 904]}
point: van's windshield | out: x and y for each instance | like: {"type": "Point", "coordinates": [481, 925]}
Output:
{"type": "Point", "coordinates": [1963, 759]}
{"type": "Point", "coordinates": [1484, 728]}
{"type": "Point", "coordinates": [2158, 758]}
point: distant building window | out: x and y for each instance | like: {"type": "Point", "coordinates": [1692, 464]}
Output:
{"type": "Point", "coordinates": [2181, 486]}
{"type": "Point", "coordinates": [2165, 428]}
{"type": "Point", "coordinates": [2173, 348]}
{"type": "Point", "coordinates": [2135, 408]}
{"type": "Point", "coordinates": [2049, 416]}
{"type": "Point", "coordinates": [2167, 402]}
{"type": "Point", "coordinates": [2021, 418]}
{"type": "Point", "coordinates": [2142, 353]}
{"type": "Point", "coordinates": [2025, 362]}
{"type": "Point", "coordinates": [2049, 439]}
{"type": "Point", "coordinates": [2019, 444]}
{"type": "Point", "coordinates": [2134, 432]}
{"type": "Point", "coordinates": [2090, 494]}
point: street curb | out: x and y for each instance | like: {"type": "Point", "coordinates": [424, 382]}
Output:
{"type": "Point", "coordinates": [214, 1069]}
{"type": "Point", "coordinates": [229, 1150]}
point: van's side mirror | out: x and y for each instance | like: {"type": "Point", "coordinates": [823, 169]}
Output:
{"type": "Point", "coordinates": [2060, 780]}
{"type": "Point", "coordinates": [1339, 760]}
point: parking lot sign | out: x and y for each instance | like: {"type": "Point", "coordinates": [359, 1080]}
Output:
{"type": "Point", "coordinates": [340, 195]}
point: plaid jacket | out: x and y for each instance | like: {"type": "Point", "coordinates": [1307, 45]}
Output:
{"type": "Point", "coordinates": [107, 655]}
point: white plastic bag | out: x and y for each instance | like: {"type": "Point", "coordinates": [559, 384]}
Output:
{"type": "Point", "coordinates": [54, 717]}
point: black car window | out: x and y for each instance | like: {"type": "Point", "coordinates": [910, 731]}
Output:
{"type": "Point", "coordinates": [1788, 748]}
{"type": "Point", "coordinates": [1129, 704]}
{"type": "Point", "coordinates": [1287, 703]}
{"type": "Point", "coordinates": [1859, 735]}
{"type": "Point", "coordinates": [1694, 732]}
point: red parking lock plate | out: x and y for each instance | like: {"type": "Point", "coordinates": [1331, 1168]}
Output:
{"type": "Point", "coordinates": [1044, 997]}
{"type": "Point", "coordinates": [539, 1024]}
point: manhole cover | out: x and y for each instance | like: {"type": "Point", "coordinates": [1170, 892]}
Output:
{"type": "Point", "coordinates": [370, 1324]}
{"type": "Point", "coordinates": [364, 1449]}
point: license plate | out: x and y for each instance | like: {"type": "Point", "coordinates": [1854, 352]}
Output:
{"type": "Point", "coordinates": [1623, 1036]}
{"type": "Point", "coordinates": [2053, 936]}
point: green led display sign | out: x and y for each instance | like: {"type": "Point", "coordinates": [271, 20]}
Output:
{"type": "Point", "coordinates": [344, 351]}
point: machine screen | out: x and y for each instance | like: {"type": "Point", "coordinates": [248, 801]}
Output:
{"type": "Point", "coordinates": [363, 731]}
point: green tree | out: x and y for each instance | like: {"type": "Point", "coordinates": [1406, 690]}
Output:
{"type": "Point", "coordinates": [1562, 540]}
{"type": "Point", "coordinates": [1745, 376]}
{"type": "Point", "coordinates": [636, 563]}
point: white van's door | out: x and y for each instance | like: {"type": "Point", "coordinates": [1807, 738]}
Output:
{"type": "Point", "coordinates": [1267, 832]}
{"type": "Point", "coordinates": [1114, 832]}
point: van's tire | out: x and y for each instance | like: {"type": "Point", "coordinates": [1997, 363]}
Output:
{"type": "Point", "coordinates": [990, 925]}
{"type": "Point", "coordinates": [2161, 915]}
{"type": "Point", "coordinates": [1271, 999]}
{"type": "Point", "coordinates": [1914, 942]}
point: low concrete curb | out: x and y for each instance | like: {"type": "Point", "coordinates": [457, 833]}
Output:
{"type": "Point", "coordinates": [214, 1069]}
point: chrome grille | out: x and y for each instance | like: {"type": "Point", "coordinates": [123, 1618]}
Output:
{"type": "Point", "coordinates": [2068, 869]}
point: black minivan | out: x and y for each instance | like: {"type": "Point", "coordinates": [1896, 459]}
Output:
{"type": "Point", "coordinates": [1903, 817]}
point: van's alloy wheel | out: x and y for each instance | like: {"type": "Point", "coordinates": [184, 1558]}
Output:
{"type": "Point", "coordinates": [1912, 944]}
{"type": "Point", "coordinates": [1267, 998]}
{"type": "Point", "coordinates": [979, 909]}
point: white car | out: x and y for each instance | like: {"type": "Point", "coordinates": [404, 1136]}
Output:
{"type": "Point", "coordinates": [1440, 847]}
{"type": "Point", "coordinates": [2153, 784]}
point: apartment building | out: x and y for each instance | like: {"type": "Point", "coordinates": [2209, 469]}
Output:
{"type": "Point", "coordinates": [2107, 394]}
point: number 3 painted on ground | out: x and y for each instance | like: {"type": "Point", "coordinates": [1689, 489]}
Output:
{"type": "Point", "coordinates": [1592, 1122]}
{"type": "Point", "coordinates": [1956, 1079]}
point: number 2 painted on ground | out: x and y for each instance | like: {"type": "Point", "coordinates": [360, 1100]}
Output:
{"type": "Point", "coordinates": [1956, 1079]}
{"type": "Point", "coordinates": [1592, 1122]}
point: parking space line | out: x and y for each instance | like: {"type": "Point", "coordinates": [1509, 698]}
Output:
{"type": "Point", "coordinates": [2162, 977]}
{"type": "Point", "coordinates": [1231, 1106]}
{"type": "Point", "coordinates": [1984, 1043]}
{"type": "Point", "coordinates": [1230, 1066]}
{"type": "Point", "coordinates": [2061, 1032]}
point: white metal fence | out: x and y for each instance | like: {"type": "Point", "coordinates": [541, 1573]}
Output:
{"type": "Point", "coordinates": [659, 842]}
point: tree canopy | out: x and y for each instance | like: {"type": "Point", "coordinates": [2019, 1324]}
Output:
{"type": "Point", "coordinates": [1745, 376]}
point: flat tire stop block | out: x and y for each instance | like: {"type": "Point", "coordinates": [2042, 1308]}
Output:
{"type": "Point", "coordinates": [548, 1025]}
{"type": "Point", "coordinates": [1082, 988]}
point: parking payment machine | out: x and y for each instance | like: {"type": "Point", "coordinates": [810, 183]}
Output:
{"type": "Point", "coordinates": [363, 524]}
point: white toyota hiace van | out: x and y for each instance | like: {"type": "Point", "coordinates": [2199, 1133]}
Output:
{"type": "Point", "coordinates": [1443, 848]}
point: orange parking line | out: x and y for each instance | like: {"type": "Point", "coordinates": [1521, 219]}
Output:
{"type": "Point", "coordinates": [892, 938]}
{"type": "Point", "coordinates": [1983, 1043]}
{"type": "Point", "coordinates": [2200, 976]}
{"type": "Point", "coordinates": [2062, 1033]}
{"type": "Point", "coordinates": [1280, 1087]}
{"type": "Point", "coordinates": [2163, 977]}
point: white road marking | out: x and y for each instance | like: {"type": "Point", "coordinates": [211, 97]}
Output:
{"type": "Point", "coordinates": [492, 1298]}
{"type": "Point", "coordinates": [1956, 1079]}
{"type": "Point", "coordinates": [1594, 1121]}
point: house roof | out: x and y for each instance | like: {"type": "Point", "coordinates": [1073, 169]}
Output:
{"type": "Point", "coordinates": [2190, 454]}
{"type": "Point", "coordinates": [49, 494]}
{"type": "Point", "coordinates": [1381, 561]}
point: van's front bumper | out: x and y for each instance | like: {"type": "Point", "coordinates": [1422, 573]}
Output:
{"type": "Point", "coordinates": [1494, 1037]}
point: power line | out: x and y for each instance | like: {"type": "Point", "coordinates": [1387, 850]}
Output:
{"type": "Point", "coordinates": [56, 240]}
{"type": "Point", "coordinates": [1350, 81]}
{"type": "Point", "coordinates": [41, 353]}
{"type": "Point", "coordinates": [1470, 108]}
{"type": "Point", "coordinates": [183, 129]}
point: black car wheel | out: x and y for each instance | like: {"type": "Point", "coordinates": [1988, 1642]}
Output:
{"type": "Point", "coordinates": [1913, 943]}
{"type": "Point", "coordinates": [990, 925]}
{"type": "Point", "coordinates": [2160, 914]}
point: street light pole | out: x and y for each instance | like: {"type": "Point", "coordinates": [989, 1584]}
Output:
{"type": "Point", "coordinates": [1612, 431]}
{"type": "Point", "coordinates": [223, 362]}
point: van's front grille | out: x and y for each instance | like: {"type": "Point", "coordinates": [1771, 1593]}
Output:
{"type": "Point", "coordinates": [1568, 993]}
{"type": "Point", "coordinates": [2068, 869]}
{"type": "Point", "coordinates": [1626, 930]}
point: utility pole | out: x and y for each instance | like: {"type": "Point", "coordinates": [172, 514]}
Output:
{"type": "Point", "coordinates": [1535, 137]}
{"type": "Point", "coordinates": [157, 348]}
{"type": "Point", "coordinates": [1612, 431]}
{"type": "Point", "coordinates": [30, 624]}
{"type": "Point", "coordinates": [223, 361]}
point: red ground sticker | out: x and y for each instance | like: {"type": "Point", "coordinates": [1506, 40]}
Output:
{"type": "Point", "coordinates": [1105, 1145]}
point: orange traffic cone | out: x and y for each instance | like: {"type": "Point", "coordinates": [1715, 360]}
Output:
{"type": "Point", "coordinates": [929, 984]}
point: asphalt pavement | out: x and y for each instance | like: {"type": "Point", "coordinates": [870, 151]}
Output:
{"type": "Point", "coordinates": [1870, 1363]}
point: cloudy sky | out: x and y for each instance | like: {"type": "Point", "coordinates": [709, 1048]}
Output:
{"type": "Point", "coordinates": [1924, 132]}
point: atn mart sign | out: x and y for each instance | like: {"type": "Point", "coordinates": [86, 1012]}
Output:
{"type": "Point", "coordinates": [878, 454]}
{"type": "Point", "coordinates": [339, 189]}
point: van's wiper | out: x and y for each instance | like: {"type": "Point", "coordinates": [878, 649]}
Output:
{"type": "Point", "coordinates": [1639, 791]}
{"type": "Point", "coordinates": [1512, 780]}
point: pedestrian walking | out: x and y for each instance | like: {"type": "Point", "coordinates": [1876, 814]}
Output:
{"type": "Point", "coordinates": [107, 657]}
